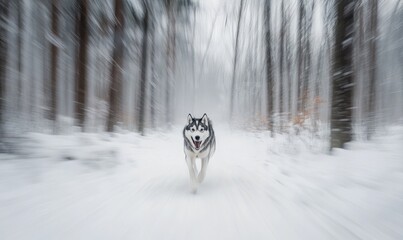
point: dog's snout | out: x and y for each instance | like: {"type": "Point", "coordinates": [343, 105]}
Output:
{"type": "Point", "coordinates": [197, 138]}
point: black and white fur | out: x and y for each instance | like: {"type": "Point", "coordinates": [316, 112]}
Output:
{"type": "Point", "coordinates": [199, 143]}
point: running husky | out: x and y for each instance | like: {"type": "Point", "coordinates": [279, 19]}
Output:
{"type": "Point", "coordinates": [199, 143]}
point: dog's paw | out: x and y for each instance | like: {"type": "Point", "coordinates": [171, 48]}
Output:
{"type": "Point", "coordinates": [194, 186]}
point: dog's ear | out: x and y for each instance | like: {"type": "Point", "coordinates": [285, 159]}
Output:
{"type": "Point", "coordinates": [204, 119]}
{"type": "Point", "coordinates": [190, 118]}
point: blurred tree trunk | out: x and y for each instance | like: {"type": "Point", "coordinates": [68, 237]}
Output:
{"type": "Point", "coordinates": [46, 62]}
{"type": "Point", "coordinates": [54, 52]}
{"type": "Point", "coordinates": [304, 58]}
{"type": "Point", "coordinates": [4, 8]}
{"type": "Point", "coordinates": [373, 38]}
{"type": "Point", "coordinates": [81, 62]}
{"type": "Point", "coordinates": [269, 67]}
{"type": "Point", "coordinates": [281, 66]}
{"type": "Point", "coordinates": [171, 6]}
{"type": "Point", "coordinates": [307, 54]}
{"type": "Point", "coordinates": [234, 66]}
{"type": "Point", "coordinates": [288, 56]}
{"type": "Point", "coordinates": [361, 64]}
{"type": "Point", "coordinates": [153, 73]}
{"type": "Point", "coordinates": [116, 74]}
{"type": "Point", "coordinates": [194, 60]}
{"type": "Point", "coordinates": [20, 31]}
{"type": "Point", "coordinates": [300, 56]}
{"type": "Point", "coordinates": [143, 77]}
{"type": "Point", "coordinates": [309, 83]}
{"type": "Point", "coordinates": [342, 78]}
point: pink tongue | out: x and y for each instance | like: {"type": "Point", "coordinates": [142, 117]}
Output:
{"type": "Point", "coordinates": [197, 144]}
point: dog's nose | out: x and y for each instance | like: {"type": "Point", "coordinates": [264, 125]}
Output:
{"type": "Point", "coordinates": [197, 138]}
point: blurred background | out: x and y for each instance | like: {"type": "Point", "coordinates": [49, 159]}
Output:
{"type": "Point", "coordinates": [137, 65]}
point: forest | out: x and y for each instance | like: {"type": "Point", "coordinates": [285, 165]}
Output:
{"type": "Point", "coordinates": [138, 65]}
{"type": "Point", "coordinates": [304, 93]}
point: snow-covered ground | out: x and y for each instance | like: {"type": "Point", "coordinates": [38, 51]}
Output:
{"type": "Point", "coordinates": [96, 186]}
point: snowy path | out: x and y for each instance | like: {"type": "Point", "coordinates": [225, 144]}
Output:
{"type": "Point", "coordinates": [128, 187]}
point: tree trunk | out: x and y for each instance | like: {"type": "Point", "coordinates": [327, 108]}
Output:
{"type": "Point", "coordinates": [233, 83]}
{"type": "Point", "coordinates": [143, 77]}
{"type": "Point", "coordinates": [281, 67]}
{"type": "Point", "coordinates": [193, 61]}
{"type": "Point", "coordinates": [288, 54]}
{"type": "Point", "coordinates": [153, 73]}
{"type": "Point", "coordinates": [342, 78]}
{"type": "Point", "coordinates": [170, 58]}
{"type": "Point", "coordinates": [269, 67]}
{"type": "Point", "coordinates": [300, 58]}
{"type": "Point", "coordinates": [373, 28]}
{"type": "Point", "coordinates": [361, 65]}
{"type": "Point", "coordinates": [116, 74]}
{"type": "Point", "coordinates": [54, 52]}
{"type": "Point", "coordinates": [308, 79]}
{"type": "Point", "coordinates": [4, 5]}
{"type": "Point", "coordinates": [81, 61]}
{"type": "Point", "coordinates": [20, 31]}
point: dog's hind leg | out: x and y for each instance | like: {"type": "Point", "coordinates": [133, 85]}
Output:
{"type": "Point", "coordinates": [191, 166]}
{"type": "Point", "coordinates": [203, 169]}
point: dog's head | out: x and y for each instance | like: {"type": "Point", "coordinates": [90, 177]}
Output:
{"type": "Point", "coordinates": [197, 130]}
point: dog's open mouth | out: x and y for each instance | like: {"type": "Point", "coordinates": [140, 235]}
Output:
{"type": "Point", "coordinates": [197, 144]}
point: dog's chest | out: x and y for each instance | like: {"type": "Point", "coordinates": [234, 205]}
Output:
{"type": "Point", "coordinates": [196, 154]}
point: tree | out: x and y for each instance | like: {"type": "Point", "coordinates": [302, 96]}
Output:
{"type": "Point", "coordinates": [300, 55]}
{"type": "Point", "coordinates": [143, 76]}
{"type": "Point", "coordinates": [342, 78]}
{"type": "Point", "coordinates": [373, 32]}
{"type": "Point", "coordinates": [288, 56]}
{"type": "Point", "coordinates": [234, 66]}
{"type": "Point", "coordinates": [81, 62]}
{"type": "Point", "coordinates": [307, 55]}
{"type": "Point", "coordinates": [20, 26]}
{"type": "Point", "coordinates": [153, 70]}
{"type": "Point", "coordinates": [4, 5]}
{"type": "Point", "coordinates": [281, 64]}
{"type": "Point", "coordinates": [269, 67]}
{"type": "Point", "coordinates": [171, 7]}
{"type": "Point", "coordinates": [116, 74]}
{"type": "Point", "coordinates": [54, 52]}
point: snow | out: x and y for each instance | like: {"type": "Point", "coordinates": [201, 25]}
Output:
{"type": "Point", "coordinates": [124, 186]}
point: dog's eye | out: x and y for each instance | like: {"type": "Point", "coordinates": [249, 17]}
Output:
{"type": "Point", "coordinates": [192, 129]}
{"type": "Point", "coordinates": [202, 130]}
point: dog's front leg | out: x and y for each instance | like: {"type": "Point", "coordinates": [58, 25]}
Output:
{"type": "Point", "coordinates": [191, 166]}
{"type": "Point", "coordinates": [203, 169]}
